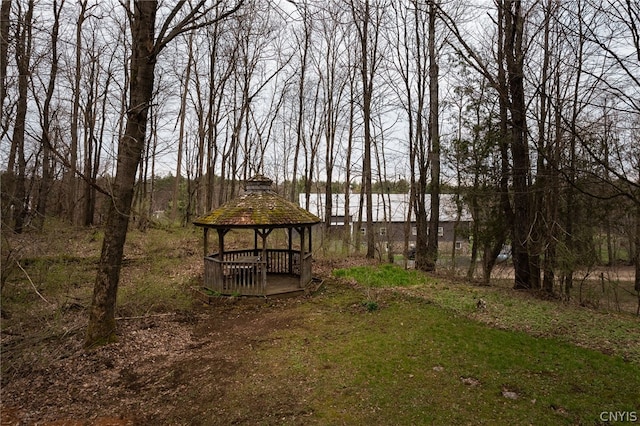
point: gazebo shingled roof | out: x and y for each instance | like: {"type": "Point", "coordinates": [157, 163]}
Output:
{"type": "Point", "coordinates": [260, 207]}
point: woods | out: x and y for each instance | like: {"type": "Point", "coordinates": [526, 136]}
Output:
{"type": "Point", "coordinates": [527, 111]}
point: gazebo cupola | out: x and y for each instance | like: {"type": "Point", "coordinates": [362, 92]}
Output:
{"type": "Point", "coordinates": [258, 271]}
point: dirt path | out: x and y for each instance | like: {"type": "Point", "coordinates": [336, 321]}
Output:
{"type": "Point", "coordinates": [141, 379]}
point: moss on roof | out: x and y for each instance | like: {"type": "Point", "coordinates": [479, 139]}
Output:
{"type": "Point", "coordinates": [257, 209]}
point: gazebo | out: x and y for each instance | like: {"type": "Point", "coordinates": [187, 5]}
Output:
{"type": "Point", "coordinates": [259, 271]}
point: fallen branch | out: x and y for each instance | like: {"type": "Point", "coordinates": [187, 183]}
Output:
{"type": "Point", "coordinates": [145, 316]}
{"type": "Point", "coordinates": [32, 284]}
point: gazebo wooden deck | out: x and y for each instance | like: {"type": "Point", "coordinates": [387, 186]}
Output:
{"type": "Point", "coordinates": [259, 271]}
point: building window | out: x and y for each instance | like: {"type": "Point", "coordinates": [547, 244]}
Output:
{"type": "Point", "coordinates": [440, 231]}
{"type": "Point", "coordinates": [458, 245]}
{"type": "Point", "coordinates": [383, 231]}
{"type": "Point", "coordinates": [414, 230]}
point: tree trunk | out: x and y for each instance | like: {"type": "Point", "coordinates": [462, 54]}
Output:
{"type": "Point", "coordinates": [6, 179]}
{"type": "Point", "coordinates": [144, 50]}
{"type": "Point", "coordinates": [182, 117]}
{"type": "Point", "coordinates": [434, 144]}
{"type": "Point", "coordinates": [514, 33]}
{"type": "Point", "coordinates": [5, 15]}
{"type": "Point", "coordinates": [475, 229]}
{"type": "Point", "coordinates": [419, 147]}
{"type": "Point", "coordinates": [348, 222]}
{"type": "Point", "coordinates": [90, 141]}
{"type": "Point", "coordinates": [368, 56]}
{"type": "Point", "coordinates": [70, 181]}
{"type": "Point", "coordinates": [47, 175]}
{"type": "Point", "coordinates": [15, 181]}
{"type": "Point", "coordinates": [300, 135]}
{"type": "Point", "coordinates": [636, 248]}
{"type": "Point", "coordinates": [102, 327]}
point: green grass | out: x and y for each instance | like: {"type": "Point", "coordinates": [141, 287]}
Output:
{"type": "Point", "coordinates": [610, 332]}
{"type": "Point", "coordinates": [414, 362]}
{"type": "Point", "coordinates": [384, 275]}
{"type": "Point", "coordinates": [47, 275]}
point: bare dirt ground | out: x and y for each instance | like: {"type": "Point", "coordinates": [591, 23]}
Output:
{"type": "Point", "coordinates": [140, 379]}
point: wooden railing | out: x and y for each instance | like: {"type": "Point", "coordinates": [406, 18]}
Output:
{"type": "Point", "coordinates": [278, 261]}
{"type": "Point", "coordinates": [305, 270]}
{"type": "Point", "coordinates": [244, 272]}
{"type": "Point", "coordinates": [244, 275]}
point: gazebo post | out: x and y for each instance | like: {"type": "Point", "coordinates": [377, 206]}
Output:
{"type": "Point", "coordinates": [206, 241]}
{"type": "Point", "coordinates": [264, 233]}
{"type": "Point", "coordinates": [291, 250]}
{"type": "Point", "coordinates": [302, 256]}
{"type": "Point", "coordinates": [221, 233]}
{"type": "Point", "coordinates": [255, 242]}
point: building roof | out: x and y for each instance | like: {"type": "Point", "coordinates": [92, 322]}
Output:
{"type": "Point", "coordinates": [386, 207]}
{"type": "Point", "coordinates": [257, 207]}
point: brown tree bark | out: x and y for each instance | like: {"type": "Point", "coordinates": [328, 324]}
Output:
{"type": "Point", "coordinates": [301, 140]}
{"type": "Point", "coordinates": [15, 179]}
{"type": "Point", "coordinates": [70, 181]}
{"type": "Point", "coordinates": [419, 148]}
{"type": "Point", "coordinates": [47, 176]}
{"type": "Point", "coordinates": [90, 142]}
{"type": "Point", "coordinates": [514, 56]}
{"type": "Point", "coordinates": [363, 18]}
{"type": "Point", "coordinates": [348, 222]}
{"type": "Point", "coordinates": [5, 15]}
{"type": "Point", "coordinates": [636, 286]}
{"type": "Point", "coordinates": [102, 327]}
{"type": "Point", "coordinates": [434, 146]}
{"type": "Point", "coordinates": [144, 50]}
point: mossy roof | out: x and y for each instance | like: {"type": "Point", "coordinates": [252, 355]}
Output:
{"type": "Point", "coordinates": [263, 209]}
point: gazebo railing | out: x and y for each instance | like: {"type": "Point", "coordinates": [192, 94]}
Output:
{"type": "Point", "coordinates": [305, 269]}
{"type": "Point", "coordinates": [244, 272]}
{"type": "Point", "coordinates": [242, 275]}
{"type": "Point", "coordinates": [278, 261]}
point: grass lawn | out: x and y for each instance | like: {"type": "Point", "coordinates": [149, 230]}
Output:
{"type": "Point", "coordinates": [411, 361]}
{"type": "Point", "coordinates": [377, 344]}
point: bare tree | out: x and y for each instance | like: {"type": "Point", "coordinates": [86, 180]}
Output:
{"type": "Point", "coordinates": [616, 34]}
{"type": "Point", "coordinates": [303, 39]}
{"type": "Point", "coordinates": [348, 225]}
{"type": "Point", "coordinates": [368, 22]}
{"type": "Point", "coordinates": [5, 14]}
{"type": "Point", "coordinates": [182, 116]}
{"type": "Point", "coordinates": [46, 181]}
{"type": "Point", "coordinates": [71, 183]}
{"type": "Point", "coordinates": [428, 263]}
{"type": "Point", "coordinates": [14, 182]}
{"type": "Point", "coordinates": [412, 45]}
{"type": "Point", "coordinates": [507, 78]}
{"type": "Point", "coordinates": [145, 48]}
{"type": "Point", "coordinates": [93, 108]}
{"type": "Point", "coordinates": [328, 62]}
